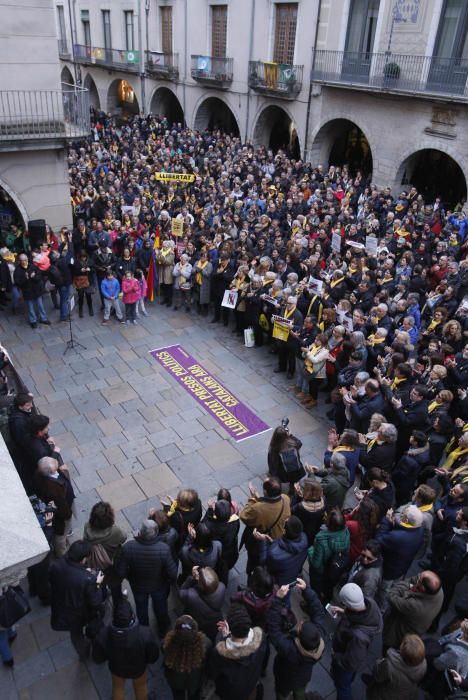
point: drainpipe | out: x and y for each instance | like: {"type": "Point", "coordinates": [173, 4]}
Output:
{"type": "Point", "coordinates": [309, 99]}
{"type": "Point", "coordinates": [73, 39]}
{"type": "Point", "coordinates": [251, 43]}
{"type": "Point", "coordinates": [185, 61]}
{"type": "Point", "coordinates": [142, 59]}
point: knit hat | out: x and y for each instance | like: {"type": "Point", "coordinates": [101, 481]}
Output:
{"type": "Point", "coordinates": [352, 597]}
{"type": "Point", "coordinates": [123, 613]}
{"type": "Point", "coordinates": [309, 636]}
{"type": "Point", "coordinates": [239, 621]}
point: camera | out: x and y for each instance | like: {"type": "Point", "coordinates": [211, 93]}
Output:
{"type": "Point", "coordinates": [285, 422]}
{"type": "Point", "coordinates": [40, 509]}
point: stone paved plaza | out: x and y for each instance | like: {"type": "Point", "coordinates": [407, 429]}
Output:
{"type": "Point", "coordinates": [131, 435]}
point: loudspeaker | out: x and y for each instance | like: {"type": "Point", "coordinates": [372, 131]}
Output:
{"type": "Point", "coordinates": [37, 232]}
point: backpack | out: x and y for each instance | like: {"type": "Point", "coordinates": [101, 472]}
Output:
{"type": "Point", "coordinates": [291, 464]}
{"type": "Point", "coordinates": [55, 276]}
{"type": "Point", "coordinates": [336, 566]}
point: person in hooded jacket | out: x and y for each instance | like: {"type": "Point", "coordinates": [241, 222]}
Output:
{"type": "Point", "coordinates": [224, 527]}
{"type": "Point", "coordinates": [299, 649]}
{"type": "Point", "coordinates": [360, 621]}
{"type": "Point", "coordinates": [284, 557]}
{"type": "Point", "coordinates": [237, 659]}
{"type": "Point", "coordinates": [399, 673]}
{"type": "Point", "coordinates": [258, 596]}
{"type": "Point", "coordinates": [128, 648]}
{"type": "Point", "coordinates": [202, 595]}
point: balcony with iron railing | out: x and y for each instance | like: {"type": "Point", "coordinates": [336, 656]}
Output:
{"type": "Point", "coordinates": [128, 61]}
{"type": "Point", "coordinates": [63, 49]}
{"type": "Point", "coordinates": [426, 76]}
{"type": "Point", "coordinates": [164, 66]}
{"type": "Point", "coordinates": [217, 72]}
{"type": "Point", "coordinates": [275, 79]}
{"type": "Point", "coordinates": [44, 114]}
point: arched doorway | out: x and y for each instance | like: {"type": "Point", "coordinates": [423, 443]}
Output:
{"type": "Point", "coordinates": [342, 142]}
{"type": "Point", "coordinates": [11, 214]}
{"type": "Point", "coordinates": [121, 99]}
{"type": "Point", "coordinates": [434, 174]}
{"type": "Point", "coordinates": [90, 85]}
{"type": "Point", "coordinates": [165, 104]}
{"type": "Point", "coordinates": [66, 76]}
{"type": "Point", "coordinates": [276, 130]}
{"type": "Point", "coordinates": [212, 114]}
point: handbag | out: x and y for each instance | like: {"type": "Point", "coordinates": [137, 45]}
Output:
{"type": "Point", "coordinates": [81, 282]}
{"type": "Point", "coordinates": [249, 338]}
{"type": "Point", "coordinates": [98, 559]}
{"type": "Point", "coordinates": [336, 566]}
{"type": "Point", "coordinates": [13, 606]}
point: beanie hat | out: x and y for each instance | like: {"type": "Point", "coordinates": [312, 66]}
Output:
{"type": "Point", "coordinates": [239, 621]}
{"type": "Point", "coordinates": [352, 597]}
{"type": "Point", "coordinates": [123, 614]}
{"type": "Point", "coordinates": [309, 636]}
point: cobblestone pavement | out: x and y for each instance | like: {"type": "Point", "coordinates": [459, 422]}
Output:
{"type": "Point", "coordinates": [130, 435]}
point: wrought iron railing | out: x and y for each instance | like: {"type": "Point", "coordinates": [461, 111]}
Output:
{"type": "Point", "coordinates": [279, 78]}
{"type": "Point", "coordinates": [212, 70]}
{"type": "Point", "coordinates": [393, 72]}
{"type": "Point", "coordinates": [64, 51]}
{"type": "Point", "coordinates": [162, 65]}
{"type": "Point", "coordinates": [117, 58]}
{"type": "Point", "coordinates": [44, 114]}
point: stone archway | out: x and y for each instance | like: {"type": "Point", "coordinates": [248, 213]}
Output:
{"type": "Point", "coordinates": [164, 103]}
{"type": "Point", "coordinates": [213, 113]}
{"type": "Point", "coordinates": [434, 174]}
{"type": "Point", "coordinates": [12, 209]}
{"type": "Point", "coordinates": [90, 85]}
{"type": "Point", "coordinates": [121, 98]}
{"type": "Point", "coordinates": [66, 77]}
{"type": "Point", "coordinates": [276, 130]}
{"type": "Point", "coordinates": [341, 141]}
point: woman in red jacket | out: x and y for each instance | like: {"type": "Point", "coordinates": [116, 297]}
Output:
{"type": "Point", "coordinates": [362, 523]}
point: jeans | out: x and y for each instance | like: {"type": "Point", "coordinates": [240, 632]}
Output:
{"type": "Point", "coordinates": [5, 636]}
{"type": "Point", "coordinates": [30, 303]}
{"type": "Point", "coordinates": [343, 681]}
{"type": "Point", "coordinates": [108, 305]}
{"type": "Point", "coordinates": [140, 687]}
{"type": "Point", "coordinates": [64, 294]}
{"type": "Point", "coordinates": [15, 297]}
{"type": "Point", "coordinates": [159, 599]}
{"type": "Point", "coordinates": [302, 376]}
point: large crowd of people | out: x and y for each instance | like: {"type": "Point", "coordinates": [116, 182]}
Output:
{"type": "Point", "coordinates": [362, 295]}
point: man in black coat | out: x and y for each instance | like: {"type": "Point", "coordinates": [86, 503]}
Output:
{"type": "Point", "coordinates": [221, 278]}
{"type": "Point", "coordinates": [76, 595]}
{"type": "Point", "coordinates": [412, 417]}
{"type": "Point", "coordinates": [19, 421]}
{"type": "Point", "coordinates": [455, 562]}
{"type": "Point", "coordinates": [299, 649]}
{"type": "Point", "coordinates": [28, 278]}
{"type": "Point", "coordinates": [52, 483]}
{"type": "Point", "coordinates": [128, 648]}
{"type": "Point", "coordinates": [362, 411]}
{"type": "Point", "coordinates": [148, 565]}
{"type": "Point", "coordinates": [39, 444]}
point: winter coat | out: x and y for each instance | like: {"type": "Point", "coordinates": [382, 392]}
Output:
{"type": "Point", "coordinates": [406, 472]}
{"type": "Point", "coordinates": [319, 363]}
{"type": "Point", "coordinates": [311, 514]}
{"type": "Point", "coordinates": [128, 650]}
{"type": "Point", "coordinates": [455, 563]}
{"type": "Point", "coordinates": [327, 543]}
{"type": "Point", "coordinates": [393, 679]}
{"type": "Point", "coordinates": [399, 547]}
{"type": "Point", "coordinates": [59, 490]}
{"type": "Point", "coordinates": [351, 456]}
{"type": "Point", "coordinates": [205, 287]}
{"type": "Point", "coordinates": [131, 290]}
{"type": "Point", "coordinates": [410, 612]}
{"type": "Point", "coordinates": [454, 654]}
{"type": "Point", "coordinates": [335, 482]}
{"type": "Point", "coordinates": [75, 597]}
{"type": "Point", "coordinates": [147, 564]}
{"type": "Point", "coordinates": [256, 606]}
{"type": "Point", "coordinates": [275, 466]}
{"type": "Point", "coordinates": [268, 515]}
{"type": "Point", "coordinates": [237, 670]}
{"type": "Point", "coordinates": [191, 556]}
{"type": "Point", "coordinates": [112, 538]}
{"type": "Point", "coordinates": [367, 577]}
{"type": "Point", "coordinates": [226, 533]}
{"type": "Point", "coordinates": [362, 412]}
{"type": "Point", "coordinates": [180, 520]}
{"type": "Point", "coordinates": [284, 558]}
{"type": "Point", "coordinates": [30, 281]}
{"type": "Point", "coordinates": [206, 609]}
{"type": "Point", "coordinates": [192, 680]}
{"type": "Point", "coordinates": [379, 455]}
{"type": "Point", "coordinates": [165, 266]}
{"type": "Point", "coordinates": [110, 288]}
{"type": "Point", "coordinates": [353, 636]}
{"type": "Point", "coordinates": [383, 497]}
{"type": "Point", "coordinates": [182, 275]}
{"type": "Point", "coordinates": [293, 664]}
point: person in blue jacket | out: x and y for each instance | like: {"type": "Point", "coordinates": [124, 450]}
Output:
{"type": "Point", "coordinates": [110, 289]}
{"type": "Point", "coordinates": [284, 557]}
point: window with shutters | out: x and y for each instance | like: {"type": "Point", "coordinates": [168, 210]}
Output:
{"type": "Point", "coordinates": [285, 32]}
{"type": "Point", "coordinates": [61, 23]}
{"type": "Point", "coordinates": [106, 28]}
{"type": "Point", "coordinates": [129, 30]}
{"type": "Point", "coordinates": [166, 29]}
{"type": "Point", "coordinates": [218, 30]}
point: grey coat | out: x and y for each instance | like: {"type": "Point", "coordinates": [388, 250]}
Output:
{"type": "Point", "coordinates": [394, 680]}
{"type": "Point", "coordinates": [411, 612]}
{"type": "Point", "coordinates": [454, 655]}
{"type": "Point", "coordinates": [205, 288]}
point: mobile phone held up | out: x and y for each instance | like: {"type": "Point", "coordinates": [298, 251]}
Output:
{"type": "Point", "coordinates": [331, 611]}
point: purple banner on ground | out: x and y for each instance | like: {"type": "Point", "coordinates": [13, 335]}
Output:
{"type": "Point", "coordinates": [232, 414]}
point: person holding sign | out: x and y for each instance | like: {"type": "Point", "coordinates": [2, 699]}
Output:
{"type": "Point", "coordinates": [183, 286]}
{"type": "Point", "coordinates": [221, 279]}
{"type": "Point", "coordinates": [287, 347]}
{"type": "Point", "coordinates": [165, 259]}
{"type": "Point", "coordinates": [315, 361]}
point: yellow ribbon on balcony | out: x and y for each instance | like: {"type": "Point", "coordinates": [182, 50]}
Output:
{"type": "Point", "coordinates": [271, 74]}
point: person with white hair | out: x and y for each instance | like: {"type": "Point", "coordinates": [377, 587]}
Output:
{"type": "Point", "coordinates": [287, 348]}
{"type": "Point", "coordinates": [165, 259]}
{"type": "Point", "coordinates": [52, 483]}
{"type": "Point", "coordinates": [182, 274]}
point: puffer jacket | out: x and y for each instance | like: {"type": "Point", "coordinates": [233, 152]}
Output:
{"type": "Point", "coordinates": [284, 558]}
{"type": "Point", "coordinates": [205, 608]}
{"type": "Point", "coordinates": [327, 543]}
{"type": "Point", "coordinates": [127, 649]}
{"type": "Point", "coordinates": [147, 564]}
{"type": "Point", "coordinates": [393, 679]}
{"type": "Point", "coordinates": [335, 482]}
{"type": "Point", "coordinates": [237, 670]}
{"type": "Point", "coordinates": [454, 654]}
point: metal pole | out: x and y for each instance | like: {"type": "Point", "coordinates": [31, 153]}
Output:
{"type": "Point", "coordinates": [251, 43]}
{"type": "Point", "coordinates": [73, 41]}
{"type": "Point", "coordinates": [309, 97]}
{"type": "Point", "coordinates": [142, 59]}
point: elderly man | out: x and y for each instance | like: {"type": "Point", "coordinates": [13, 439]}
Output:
{"type": "Point", "coordinates": [287, 348]}
{"type": "Point", "coordinates": [52, 483]}
{"type": "Point", "coordinates": [363, 410]}
{"type": "Point", "coordinates": [413, 605]}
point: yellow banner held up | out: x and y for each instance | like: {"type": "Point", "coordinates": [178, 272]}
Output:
{"type": "Point", "coordinates": [173, 177]}
{"type": "Point", "coordinates": [177, 227]}
{"type": "Point", "coordinates": [280, 331]}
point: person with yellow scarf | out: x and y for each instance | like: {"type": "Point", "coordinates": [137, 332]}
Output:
{"type": "Point", "coordinates": [202, 271]}
{"type": "Point", "coordinates": [287, 348]}
{"type": "Point", "coordinates": [165, 259]}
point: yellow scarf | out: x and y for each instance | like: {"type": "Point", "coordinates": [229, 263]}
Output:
{"type": "Point", "coordinates": [387, 279]}
{"type": "Point", "coordinates": [453, 457]}
{"type": "Point", "coordinates": [371, 444]}
{"type": "Point", "coordinates": [344, 448]}
{"type": "Point", "coordinates": [287, 313]}
{"type": "Point", "coordinates": [433, 325]}
{"type": "Point", "coordinates": [238, 282]}
{"type": "Point", "coordinates": [314, 350]}
{"type": "Point", "coordinates": [320, 309]}
{"type": "Point", "coordinates": [375, 341]}
{"type": "Point", "coordinates": [432, 406]}
{"type": "Point", "coordinates": [425, 509]}
{"type": "Point", "coordinates": [397, 381]}
{"type": "Point", "coordinates": [333, 284]}
{"type": "Point", "coordinates": [165, 252]}
{"type": "Point", "coordinates": [407, 525]}
{"type": "Point", "coordinates": [198, 274]}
